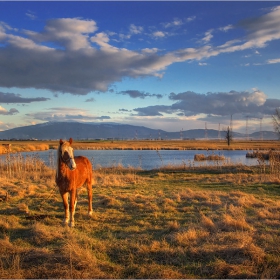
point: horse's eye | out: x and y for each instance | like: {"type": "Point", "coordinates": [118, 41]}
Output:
{"type": "Point", "coordinates": [65, 156]}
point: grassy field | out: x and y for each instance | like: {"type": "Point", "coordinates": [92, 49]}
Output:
{"type": "Point", "coordinates": [20, 146]}
{"type": "Point", "coordinates": [175, 222]}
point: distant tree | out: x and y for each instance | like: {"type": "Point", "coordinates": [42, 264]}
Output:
{"type": "Point", "coordinates": [228, 136]}
{"type": "Point", "coordinates": [276, 121]}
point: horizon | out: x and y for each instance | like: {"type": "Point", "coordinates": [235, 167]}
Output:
{"type": "Point", "coordinates": [162, 65]}
{"type": "Point", "coordinates": [114, 123]}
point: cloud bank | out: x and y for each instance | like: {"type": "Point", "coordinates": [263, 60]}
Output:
{"type": "Point", "coordinates": [70, 55]}
{"type": "Point", "coordinates": [139, 94]}
{"type": "Point", "coordinates": [5, 112]}
{"type": "Point", "coordinates": [16, 98]}
{"type": "Point", "coordinates": [189, 103]}
{"type": "Point", "coordinates": [65, 114]}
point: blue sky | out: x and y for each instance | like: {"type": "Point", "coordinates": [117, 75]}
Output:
{"type": "Point", "coordinates": [164, 65]}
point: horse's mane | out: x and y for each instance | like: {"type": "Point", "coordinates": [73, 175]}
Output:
{"type": "Point", "coordinates": [57, 160]}
{"type": "Point", "coordinates": [61, 146]}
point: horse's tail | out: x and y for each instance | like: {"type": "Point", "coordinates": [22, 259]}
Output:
{"type": "Point", "coordinates": [89, 186]}
{"type": "Point", "coordinates": [89, 172]}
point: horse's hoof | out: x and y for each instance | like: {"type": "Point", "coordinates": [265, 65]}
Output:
{"type": "Point", "coordinates": [72, 224]}
{"type": "Point", "coordinates": [90, 213]}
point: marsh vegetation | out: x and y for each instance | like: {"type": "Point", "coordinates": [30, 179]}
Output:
{"type": "Point", "coordinates": [24, 146]}
{"type": "Point", "coordinates": [218, 221]}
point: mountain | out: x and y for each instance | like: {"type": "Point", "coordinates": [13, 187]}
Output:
{"type": "Point", "coordinates": [266, 135]}
{"type": "Point", "coordinates": [65, 130]}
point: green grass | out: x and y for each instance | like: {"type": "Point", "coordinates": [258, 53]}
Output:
{"type": "Point", "coordinates": [171, 223]}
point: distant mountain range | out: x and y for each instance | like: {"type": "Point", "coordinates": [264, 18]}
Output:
{"type": "Point", "coordinates": [79, 131]}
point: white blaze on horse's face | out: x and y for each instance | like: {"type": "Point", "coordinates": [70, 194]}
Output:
{"type": "Point", "coordinates": [72, 164]}
{"type": "Point", "coordinates": [68, 156]}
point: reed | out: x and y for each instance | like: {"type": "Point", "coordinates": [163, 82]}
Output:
{"type": "Point", "coordinates": [17, 166]}
{"type": "Point", "coordinates": [213, 157]}
{"type": "Point", "coordinates": [268, 165]}
{"type": "Point", "coordinates": [274, 163]}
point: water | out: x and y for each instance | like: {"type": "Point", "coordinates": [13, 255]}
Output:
{"type": "Point", "coordinates": [148, 159]}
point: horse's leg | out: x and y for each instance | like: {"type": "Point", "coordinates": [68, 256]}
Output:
{"type": "Point", "coordinates": [89, 189]}
{"type": "Point", "coordinates": [66, 207]}
{"type": "Point", "coordinates": [73, 203]}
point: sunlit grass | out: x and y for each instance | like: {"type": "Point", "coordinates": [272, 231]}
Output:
{"type": "Point", "coordinates": [210, 145]}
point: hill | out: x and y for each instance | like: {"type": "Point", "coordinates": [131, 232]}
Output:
{"type": "Point", "coordinates": [65, 130]}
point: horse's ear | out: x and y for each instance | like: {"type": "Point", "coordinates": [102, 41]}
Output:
{"type": "Point", "coordinates": [60, 142]}
{"type": "Point", "coordinates": [70, 141]}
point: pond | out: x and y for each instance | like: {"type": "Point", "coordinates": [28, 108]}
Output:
{"type": "Point", "coordinates": [149, 159]}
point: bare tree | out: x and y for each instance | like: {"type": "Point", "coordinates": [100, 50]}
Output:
{"type": "Point", "coordinates": [276, 121]}
{"type": "Point", "coordinates": [228, 136]}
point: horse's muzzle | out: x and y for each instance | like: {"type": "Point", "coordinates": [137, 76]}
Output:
{"type": "Point", "coordinates": [72, 164]}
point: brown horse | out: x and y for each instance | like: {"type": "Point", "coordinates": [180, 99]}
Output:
{"type": "Point", "coordinates": [72, 173]}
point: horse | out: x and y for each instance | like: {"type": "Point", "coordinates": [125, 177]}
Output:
{"type": "Point", "coordinates": [72, 173]}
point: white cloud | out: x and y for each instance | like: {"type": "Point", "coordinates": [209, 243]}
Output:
{"type": "Point", "coordinates": [124, 36]}
{"type": "Point", "coordinates": [226, 28]}
{"type": "Point", "coordinates": [133, 29]}
{"type": "Point", "coordinates": [71, 33]}
{"type": "Point", "coordinates": [2, 110]}
{"type": "Point", "coordinates": [24, 43]}
{"type": "Point", "coordinates": [176, 22]}
{"type": "Point", "coordinates": [264, 28]}
{"type": "Point", "coordinates": [4, 26]}
{"type": "Point", "coordinates": [102, 40]}
{"type": "Point", "coordinates": [273, 61]}
{"type": "Point", "coordinates": [189, 19]}
{"type": "Point", "coordinates": [208, 36]}
{"type": "Point", "coordinates": [31, 15]}
{"type": "Point", "coordinates": [159, 34]}
{"type": "Point", "coordinates": [150, 51]}
{"type": "Point", "coordinates": [256, 97]}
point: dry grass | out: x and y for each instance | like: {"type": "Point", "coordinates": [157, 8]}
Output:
{"type": "Point", "coordinates": [23, 146]}
{"type": "Point", "coordinates": [201, 157]}
{"type": "Point", "coordinates": [177, 145]}
{"type": "Point", "coordinates": [216, 222]}
{"type": "Point", "coordinates": [18, 146]}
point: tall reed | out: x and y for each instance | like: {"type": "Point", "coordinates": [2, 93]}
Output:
{"type": "Point", "coordinates": [274, 163]}
{"type": "Point", "coordinates": [15, 165]}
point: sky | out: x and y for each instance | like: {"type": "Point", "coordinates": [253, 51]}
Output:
{"type": "Point", "coordinates": [164, 65]}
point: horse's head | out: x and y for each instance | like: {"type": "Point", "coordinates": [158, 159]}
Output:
{"type": "Point", "coordinates": [66, 153]}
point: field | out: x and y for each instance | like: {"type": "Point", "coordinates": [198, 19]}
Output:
{"type": "Point", "coordinates": [20, 146]}
{"type": "Point", "coordinates": [175, 222]}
